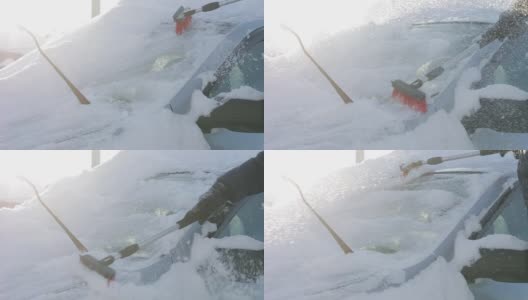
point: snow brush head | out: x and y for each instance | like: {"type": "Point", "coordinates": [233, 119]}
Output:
{"type": "Point", "coordinates": [409, 95]}
{"type": "Point", "coordinates": [183, 24]}
{"type": "Point", "coordinates": [98, 266]}
{"type": "Point", "coordinates": [182, 21]}
{"type": "Point", "coordinates": [407, 168]}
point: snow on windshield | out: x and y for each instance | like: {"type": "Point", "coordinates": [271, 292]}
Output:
{"type": "Point", "coordinates": [391, 223]}
{"type": "Point", "coordinates": [134, 196]}
{"type": "Point", "coordinates": [115, 61]}
{"type": "Point", "coordinates": [364, 56]}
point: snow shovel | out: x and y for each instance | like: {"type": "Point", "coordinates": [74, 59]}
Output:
{"type": "Point", "coordinates": [183, 18]}
{"type": "Point", "coordinates": [407, 168]}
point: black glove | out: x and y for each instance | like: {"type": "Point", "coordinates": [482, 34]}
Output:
{"type": "Point", "coordinates": [504, 152]}
{"type": "Point", "coordinates": [509, 24]}
{"type": "Point", "coordinates": [516, 153]}
{"type": "Point", "coordinates": [213, 200]}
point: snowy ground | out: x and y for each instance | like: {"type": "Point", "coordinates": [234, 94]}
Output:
{"type": "Point", "coordinates": [389, 229]}
{"type": "Point", "coordinates": [116, 61]}
{"type": "Point", "coordinates": [364, 46]}
{"type": "Point", "coordinates": [121, 201]}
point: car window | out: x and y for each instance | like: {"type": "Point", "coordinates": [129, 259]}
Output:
{"type": "Point", "coordinates": [509, 65]}
{"type": "Point", "coordinates": [245, 69]}
{"type": "Point", "coordinates": [512, 219]}
{"type": "Point", "coordinates": [249, 221]}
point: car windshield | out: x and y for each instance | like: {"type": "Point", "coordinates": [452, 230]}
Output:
{"type": "Point", "coordinates": [245, 69]}
{"type": "Point", "coordinates": [248, 221]}
{"type": "Point", "coordinates": [408, 220]}
{"type": "Point", "coordinates": [509, 65]}
{"type": "Point", "coordinates": [460, 35]}
{"type": "Point", "coordinates": [511, 219]}
{"type": "Point", "coordinates": [425, 209]}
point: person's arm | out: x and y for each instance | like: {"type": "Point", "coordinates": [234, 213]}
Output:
{"type": "Point", "coordinates": [244, 180]}
{"type": "Point", "coordinates": [522, 172]}
{"type": "Point", "coordinates": [521, 6]}
{"type": "Point", "coordinates": [510, 23]}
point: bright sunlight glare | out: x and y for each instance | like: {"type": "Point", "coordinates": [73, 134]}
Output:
{"type": "Point", "coordinates": [42, 17]}
{"type": "Point", "coordinates": [283, 207]}
{"type": "Point", "coordinates": [311, 19]}
{"type": "Point", "coordinates": [306, 167]}
{"type": "Point", "coordinates": [42, 168]}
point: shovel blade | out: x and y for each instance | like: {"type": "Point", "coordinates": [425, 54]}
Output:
{"type": "Point", "coordinates": [409, 96]}
{"type": "Point", "coordinates": [99, 267]}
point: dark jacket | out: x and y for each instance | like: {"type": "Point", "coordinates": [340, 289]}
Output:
{"type": "Point", "coordinates": [522, 172]}
{"type": "Point", "coordinates": [238, 183]}
{"type": "Point", "coordinates": [246, 179]}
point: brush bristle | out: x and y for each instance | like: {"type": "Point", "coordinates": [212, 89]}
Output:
{"type": "Point", "coordinates": [409, 96]}
{"type": "Point", "coordinates": [183, 25]}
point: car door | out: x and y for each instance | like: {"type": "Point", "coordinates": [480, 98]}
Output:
{"type": "Point", "coordinates": [241, 120]}
{"type": "Point", "coordinates": [244, 264]}
{"type": "Point", "coordinates": [510, 216]}
{"type": "Point", "coordinates": [508, 66]}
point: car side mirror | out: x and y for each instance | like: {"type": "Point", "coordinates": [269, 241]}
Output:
{"type": "Point", "coordinates": [501, 265]}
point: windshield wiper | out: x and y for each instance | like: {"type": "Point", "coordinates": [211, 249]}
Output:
{"type": "Point", "coordinates": [453, 23]}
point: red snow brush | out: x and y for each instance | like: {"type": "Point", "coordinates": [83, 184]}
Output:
{"type": "Point", "coordinates": [410, 95]}
{"type": "Point", "coordinates": [183, 18]}
{"type": "Point", "coordinates": [183, 24]}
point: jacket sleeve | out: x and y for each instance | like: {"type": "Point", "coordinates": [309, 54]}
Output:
{"type": "Point", "coordinates": [246, 179]}
{"type": "Point", "coordinates": [522, 173]}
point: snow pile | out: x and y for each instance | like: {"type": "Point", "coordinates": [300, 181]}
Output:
{"type": "Point", "coordinates": [467, 99]}
{"type": "Point", "coordinates": [124, 200]}
{"type": "Point", "coordinates": [390, 222]}
{"type": "Point", "coordinates": [111, 60]}
{"type": "Point", "coordinates": [363, 55]}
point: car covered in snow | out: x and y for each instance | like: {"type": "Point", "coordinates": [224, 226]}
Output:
{"type": "Point", "coordinates": [237, 62]}
{"type": "Point", "coordinates": [141, 89]}
{"type": "Point", "coordinates": [486, 89]}
{"type": "Point", "coordinates": [430, 212]}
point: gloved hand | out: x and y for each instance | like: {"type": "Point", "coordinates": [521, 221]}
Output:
{"type": "Point", "coordinates": [504, 152]}
{"type": "Point", "coordinates": [516, 153]}
{"type": "Point", "coordinates": [210, 202]}
{"type": "Point", "coordinates": [509, 24]}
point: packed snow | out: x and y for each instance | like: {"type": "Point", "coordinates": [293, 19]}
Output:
{"type": "Point", "coordinates": [391, 223]}
{"type": "Point", "coordinates": [129, 198]}
{"type": "Point", "coordinates": [364, 46]}
{"type": "Point", "coordinates": [129, 63]}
